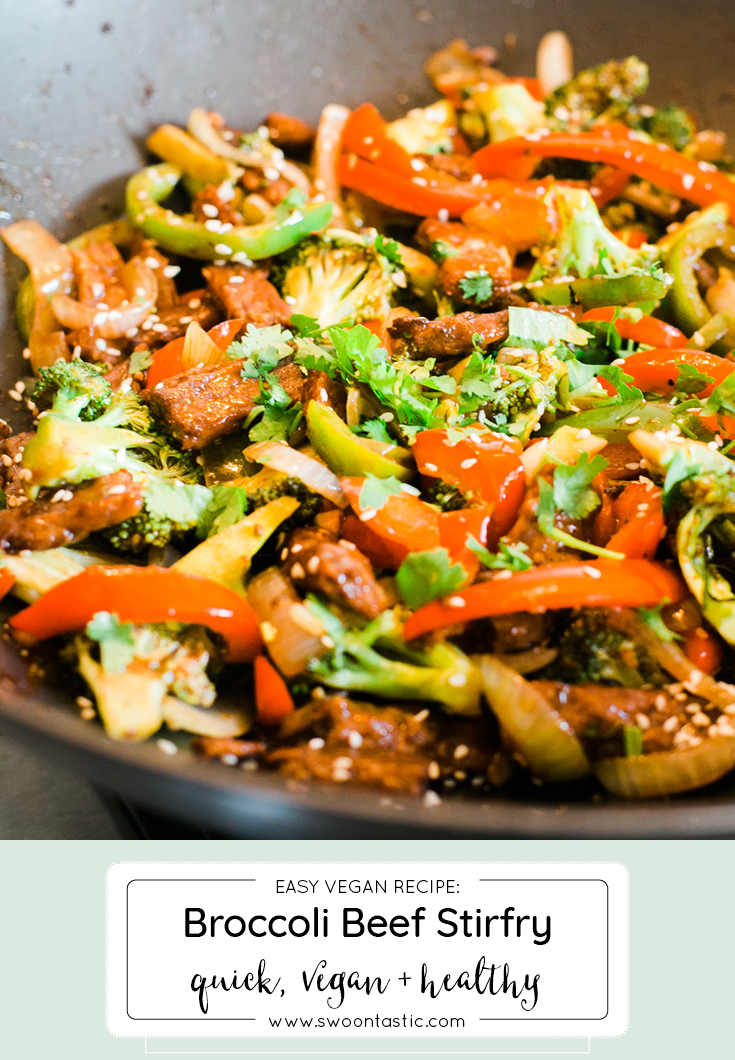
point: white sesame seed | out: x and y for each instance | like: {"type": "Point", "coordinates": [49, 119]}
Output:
{"type": "Point", "coordinates": [354, 740]}
{"type": "Point", "coordinates": [113, 491]}
{"type": "Point", "coordinates": [633, 466]}
{"type": "Point", "coordinates": [660, 702]}
{"type": "Point", "coordinates": [152, 263]}
{"type": "Point", "coordinates": [82, 701]}
{"type": "Point", "coordinates": [238, 279]}
{"type": "Point", "coordinates": [210, 210]}
{"type": "Point", "coordinates": [592, 572]}
{"type": "Point", "coordinates": [194, 303]}
{"type": "Point", "coordinates": [443, 216]}
{"type": "Point", "coordinates": [632, 419]}
{"type": "Point", "coordinates": [457, 680]}
{"type": "Point", "coordinates": [101, 345]}
{"type": "Point", "coordinates": [159, 328]}
{"type": "Point", "coordinates": [14, 395]}
{"type": "Point", "coordinates": [368, 514]}
{"type": "Point", "coordinates": [171, 270]}
{"type": "Point", "coordinates": [700, 719]}
{"type": "Point", "coordinates": [327, 641]}
{"type": "Point", "coordinates": [422, 715]}
{"type": "Point", "coordinates": [316, 743]}
{"type": "Point", "coordinates": [461, 750]}
{"type": "Point", "coordinates": [468, 463]}
{"type": "Point", "coordinates": [222, 248]}
{"type": "Point", "coordinates": [434, 770]}
{"type": "Point", "coordinates": [431, 799]}
{"type": "Point", "coordinates": [131, 333]}
{"type": "Point", "coordinates": [167, 746]}
{"type": "Point", "coordinates": [343, 762]}
{"type": "Point", "coordinates": [456, 601]}
{"type": "Point", "coordinates": [268, 631]}
{"type": "Point", "coordinates": [313, 565]}
{"type": "Point", "coordinates": [670, 724]}
{"type": "Point", "coordinates": [431, 467]}
{"type": "Point", "coordinates": [341, 775]}
{"type": "Point", "coordinates": [642, 721]}
{"type": "Point", "coordinates": [229, 760]}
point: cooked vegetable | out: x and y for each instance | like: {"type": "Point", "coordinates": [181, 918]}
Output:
{"type": "Point", "coordinates": [347, 454]}
{"type": "Point", "coordinates": [597, 96]}
{"type": "Point", "coordinates": [272, 697]}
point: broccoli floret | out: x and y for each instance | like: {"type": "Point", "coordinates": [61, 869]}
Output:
{"type": "Point", "coordinates": [71, 386]}
{"type": "Point", "coordinates": [426, 130]}
{"type": "Point", "coordinates": [672, 125]}
{"type": "Point", "coordinates": [584, 246]}
{"type": "Point", "coordinates": [591, 652]}
{"type": "Point", "coordinates": [337, 277]}
{"type": "Point", "coordinates": [599, 95]}
{"type": "Point", "coordinates": [447, 497]}
{"type": "Point", "coordinates": [377, 660]}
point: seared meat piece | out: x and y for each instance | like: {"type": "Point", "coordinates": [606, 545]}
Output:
{"type": "Point", "coordinates": [289, 133]}
{"type": "Point", "coordinates": [325, 391]}
{"type": "Point", "coordinates": [621, 456]}
{"type": "Point", "coordinates": [86, 340]}
{"type": "Point", "coordinates": [543, 549]}
{"type": "Point", "coordinates": [11, 452]}
{"type": "Point", "coordinates": [96, 271]}
{"type": "Point", "coordinates": [447, 337]}
{"type": "Point", "coordinates": [460, 166]}
{"type": "Point", "coordinates": [599, 715]}
{"type": "Point", "coordinates": [475, 251]}
{"type": "Point", "coordinates": [207, 205]}
{"type": "Point", "coordinates": [173, 322]}
{"type": "Point", "coordinates": [520, 631]}
{"type": "Point", "coordinates": [117, 375]}
{"type": "Point", "coordinates": [218, 746]}
{"type": "Point", "coordinates": [247, 293]}
{"type": "Point", "coordinates": [44, 524]}
{"type": "Point", "coordinates": [205, 403]}
{"type": "Point", "coordinates": [389, 747]}
{"type": "Point", "coordinates": [314, 559]}
{"type": "Point", "coordinates": [273, 191]}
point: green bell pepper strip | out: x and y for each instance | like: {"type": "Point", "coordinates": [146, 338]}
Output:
{"type": "Point", "coordinates": [180, 235]}
{"type": "Point", "coordinates": [594, 292]}
{"type": "Point", "coordinates": [689, 308]}
{"type": "Point", "coordinates": [345, 454]}
{"type": "Point", "coordinates": [117, 232]}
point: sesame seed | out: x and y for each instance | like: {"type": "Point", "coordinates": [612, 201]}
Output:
{"type": "Point", "coordinates": [115, 490]}
{"type": "Point", "coordinates": [14, 395]}
{"type": "Point", "coordinates": [354, 740]}
{"type": "Point", "coordinates": [592, 572]}
{"type": "Point", "coordinates": [327, 641]}
{"type": "Point", "coordinates": [660, 702]}
{"type": "Point", "coordinates": [296, 548]}
{"type": "Point", "coordinates": [422, 715]}
{"type": "Point", "coordinates": [7, 460]}
{"type": "Point", "coordinates": [152, 263]}
{"type": "Point", "coordinates": [131, 333]}
{"type": "Point", "coordinates": [268, 631]}
{"type": "Point", "coordinates": [434, 770]}
{"type": "Point", "coordinates": [26, 354]}
{"type": "Point", "coordinates": [88, 713]}
{"type": "Point", "coordinates": [167, 746]}
{"type": "Point", "coordinates": [431, 799]}
{"type": "Point", "coordinates": [343, 762]}
{"type": "Point", "coordinates": [368, 514]}
{"type": "Point", "coordinates": [194, 303]}
{"type": "Point", "coordinates": [456, 601]}
{"type": "Point", "coordinates": [632, 419]}
{"type": "Point", "coordinates": [443, 216]}
{"type": "Point", "coordinates": [82, 701]}
{"type": "Point", "coordinates": [210, 210]}
{"type": "Point", "coordinates": [158, 386]}
{"type": "Point", "coordinates": [101, 345]}
{"type": "Point", "coordinates": [468, 463]}
{"type": "Point", "coordinates": [633, 466]}
{"type": "Point", "coordinates": [700, 719]}
{"type": "Point", "coordinates": [457, 680]}
{"type": "Point", "coordinates": [642, 721]}
{"type": "Point", "coordinates": [284, 555]}
{"type": "Point", "coordinates": [670, 724]}
{"type": "Point", "coordinates": [171, 270]}
{"type": "Point", "coordinates": [159, 328]}
{"type": "Point", "coordinates": [461, 750]}
{"type": "Point", "coordinates": [431, 467]}
{"type": "Point", "coordinates": [642, 507]}
{"type": "Point", "coordinates": [502, 575]}
{"type": "Point", "coordinates": [313, 565]}
{"type": "Point", "coordinates": [222, 248]}
{"type": "Point", "coordinates": [213, 225]}
{"type": "Point", "coordinates": [236, 279]}
{"type": "Point", "coordinates": [229, 760]}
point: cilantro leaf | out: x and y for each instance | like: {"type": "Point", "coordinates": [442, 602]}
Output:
{"type": "Point", "coordinates": [537, 328]}
{"type": "Point", "coordinates": [389, 249]}
{"type": "Point", "coordinates": [425, 576]}
{"type": "Point", "coordinates": [306, 327]}
{"type": "Point", "coordinates": [276, 424]}
{"type": "Point", "coordinates": [440, 251]}
{"type": "Point", "coordinates": [140, 361]}
{"type": "Point", "coordinates": [182, 503]}
{"type": "Point", "coordinates": [227, 507]}
{"type": "Point", "coordinates": [722, 399]}
{"type": "Point", "coordinates": [477, 286]}
{"type": "Point", "coordinates": [571, 486]}
{"type": "Point", "coordinates": [690, 380]}
{"type": "Point", "coordinates": [510, 557]}
{"type": "Point", "coordinates": [652, 617]}
{"type": "Point", "coordinates": [545, 520]}
{"type": "Point", "coordinates": [116, 641]}
{"type": "Point", "coordinates": [259, 340]}
{"type": "Point", "coordinates": [617, 376]}
{"type": "Point", "coordinates": [376, 491]}
{"type": "Point", "coordinates": [375, 429]}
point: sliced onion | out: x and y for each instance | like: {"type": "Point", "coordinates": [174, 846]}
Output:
{"type": "Point", "coordinates": [141, 284]}
{"type": "Point", "coordinates": [526, 662]}
{"type": "Point", "coordinates": [203, 721]}
{"type": "Point", "coordinates": [292, 462]}
{"type": "Point", "coordinates": [668, 772]}
{"type": "Point", "coordinates": [199, 349]}
{"type": "Point", "coordinates": [554, 63]}
{"type": "Point", "coordinates": [290, 632]}
{"type": "Point", "coordinates": [668, 655]}
{"type": "Point", "coordinates": [51, 273]}
{"type": "Point", "coordinates": [327, 148]}
{"type": "Point", "coordinates": [201, 128]}
{"type": "Point", "coordinates": [535, 729]}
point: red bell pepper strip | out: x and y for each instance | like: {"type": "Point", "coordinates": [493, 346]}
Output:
{"type": "Point", "coordinates": [704, 649]}
{"type": "Point", "coordinates": [365, 134]}
{"type": "Point", "coordinates": [167, 363]}
{"type": "Point", "coordinates": [7, 580]}
{"type": "Point", "coordinates": [517, 215]}
{"type": "Point", "coordinates": [602, 583]}
{"type": "Point", "coordinates": [424, 193]}
{"type": "Point", "coordinates": [143, 595]}
{"type": "Point", "coordinates": [648, 330]}
{"type": "Point", "coordinates": [272, 697]}
{"type": "Point", "coordinates": [656, 371]}
{"type": "Point", "coordinates": [485, 467]}
{"type": "Point", "coordinates": [697, 182]}
{"type": "Point", "coordinates": [382, 553]}
{"type": "Point", "coordinates": [640, 523]}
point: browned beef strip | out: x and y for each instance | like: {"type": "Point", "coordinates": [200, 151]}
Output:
{"type": "Point", "coordinates": [85, 340]}
{"type": "Point", "coordinates": [11, 452]}
{"type": "Point", "coordinates": [209, 196]}
{"type": "Point", "coordinates": [289, 133]}
{"type": "Point", "coordinates": [173, 321]}
{"type": "Point", "coordinates": [325, 391]}
{"type": "Point", "coordinates": [620, 457]}
{"type": "Point", "coordinates": [247, 293]}
{"type": "Point", "coordinates": [397, 748]}
{"type": "Point", "coordinates": [273, 191]}
{"type": "Point", "coordinates": [96, 271]}
{"type": "Point", "coordinates": [475, 251]}
{"type": "Point", "coordinates": [44, 524]}
{"type": "Point", "coordinates": [206, 403]}
{"type": "Point", "coordinates": [447, 337]}
{"type": "Point", "coordinates": [599, 714]}
{"type": "Point", "coordinates": [314, 559]}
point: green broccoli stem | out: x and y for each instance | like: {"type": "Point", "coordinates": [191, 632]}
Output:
{"type": "Point", "coordinates": [177, 235]}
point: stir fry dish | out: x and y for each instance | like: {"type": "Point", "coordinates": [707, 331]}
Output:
{"type": "Point", "coordinates": [395, 453]}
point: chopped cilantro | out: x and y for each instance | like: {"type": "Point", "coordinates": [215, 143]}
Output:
{"type": "Point", "coordinates": [440, 251]}
{"type": "Point", "coordinates": [572, 493]}
{"type": "Point", "coordinates": [510, 557]}
{"type": "Point", "coordinates": [116, 641]}
{"type": "Point", "coordinates": [425, 576]}
{"type": "Point", "coordinates": [376, 491]}
{"type": "Point", "coordinates": [722, 399]}
{"type": "Point", "coordinates": [545, 520]}
{"type": "Point", "coordinates": [140, 361]}
{"type": "Point", "coordinates": [375, 429]}
{"type": "Point", "coordinates": [690, 380]}
{"type": "Point", "coordinates": [389, 249]}
{"type": "Point", "coordinates": [227, 507]}
{"type": "Point", "coordinates": [537, 328]}
{"type": "Point", "coordinates": [259, 341]}
{"type": "Point", "coordinates": [477, 286]}
{"type": "Point", "coordinates": [276, 424]}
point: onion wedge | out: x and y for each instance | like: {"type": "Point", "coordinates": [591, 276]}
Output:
{"type": "Point", "coordinates": [311, 472]}
{"type": "Point", "coordinates": [326, 156]}
{"type": "Point", "coordinates": [536, 730]}
{"type": "Point", "coordinates": [667, 772]}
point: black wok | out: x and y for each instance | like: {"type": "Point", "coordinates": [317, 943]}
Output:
{"type": "Point", "coordinates": [83, 81]}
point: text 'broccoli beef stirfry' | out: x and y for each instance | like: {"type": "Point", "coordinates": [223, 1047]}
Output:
{"type": "Point", "coordinates": [404, 455]}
